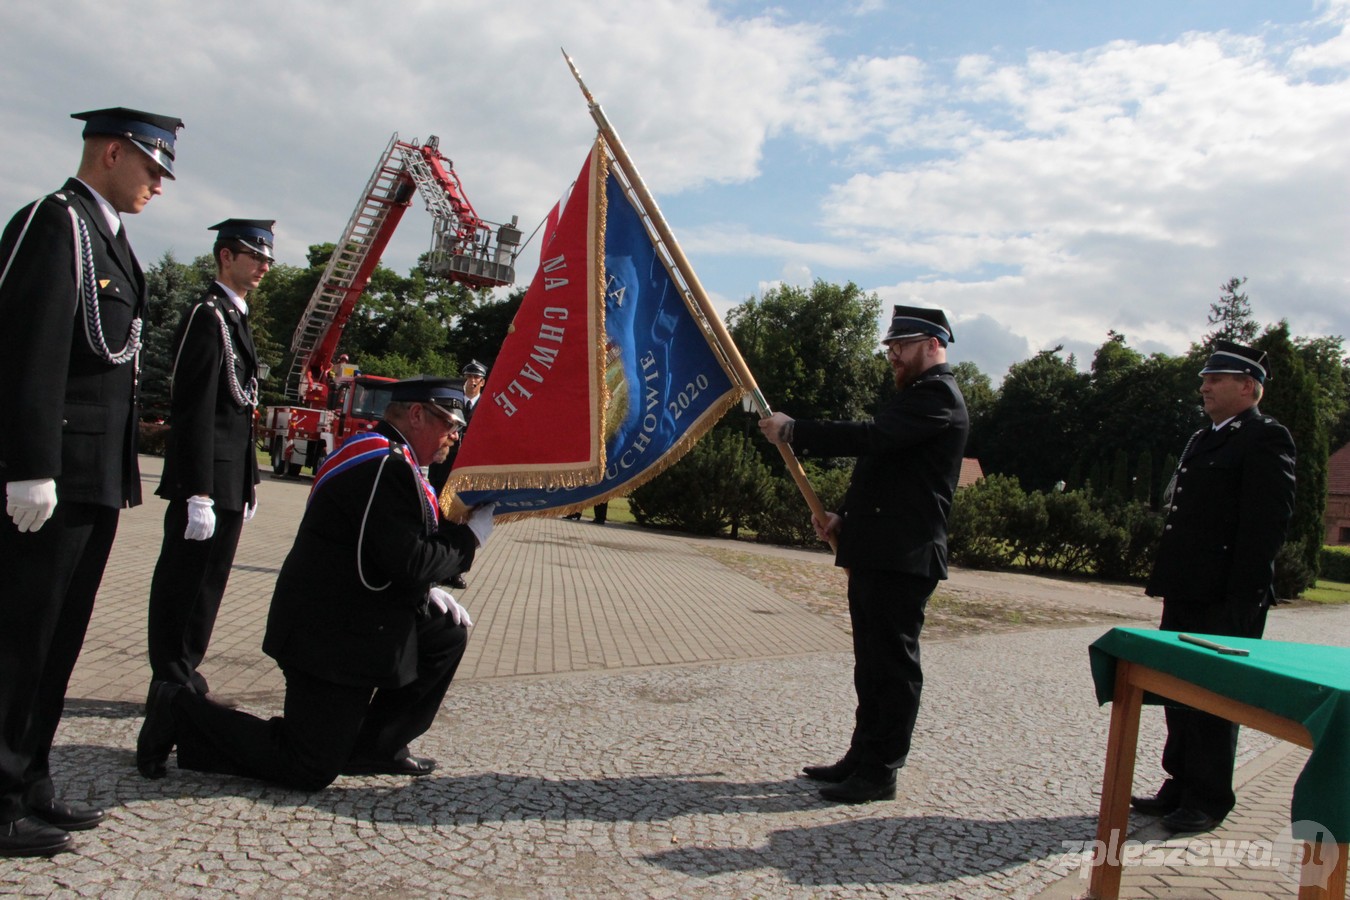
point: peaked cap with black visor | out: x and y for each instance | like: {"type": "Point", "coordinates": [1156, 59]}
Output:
{"type": "Point", "coordinates": [446, 394]}
{"type": "Point", "coordinates": [254, 234]}
{"type": "Point", "coordinates": [153, 134]}
{"type": "Point", "coordinates": [916, 322]}
{"type": "Point", "coordinates": [1234, 359]}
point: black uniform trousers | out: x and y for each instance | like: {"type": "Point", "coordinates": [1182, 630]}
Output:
{"type": "Point", "coordinates": [185, 594]}
{"type": "Point", "coordinates": [51, 578]}
{"type": "Point", "coordinates": [1201, 749]}
{"type": "Point", "coordinates": [887, 612]}
{"type": "Point", "coordinates": [324, 725]}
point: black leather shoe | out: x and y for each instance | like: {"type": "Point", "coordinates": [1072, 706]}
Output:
{"type": "Point", "coordinates": [408, 765]}
{"type": "Point", "coordinates": [457, 583]}
{"type": "Point", "coordinates": [1157, 805]}
{"type": "Point", "coordinates": [858, 788]}
{"type": "Point", "coordinates": [835, 773]}
{"type": "Point", "coordinates": [67, 816]}
{"type": "Point", "coordinates": [30, 836]}
{"type": "Point", "coordinates": [1189, 820]}
{"type": "Point", "coordinates": [157, 735]}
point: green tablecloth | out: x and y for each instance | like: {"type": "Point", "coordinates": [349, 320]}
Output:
{"type": "Point", "coordinates": [1308, 683]}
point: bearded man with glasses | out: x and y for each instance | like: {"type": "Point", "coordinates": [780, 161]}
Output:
{"type": "Point", "coordinates": [891, 534]}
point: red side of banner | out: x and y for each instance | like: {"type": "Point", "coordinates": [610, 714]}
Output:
{"type": "Point", "coordinates": [540, 420]}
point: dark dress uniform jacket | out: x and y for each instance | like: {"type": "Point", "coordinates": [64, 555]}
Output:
{"type": "Point", "coordinates": [1229, 512]}
{"type": "Point", "coordinates": [909, 460]}
{"type": "Point", "coordinates": [324, 621]}
{"type": "Point", "coordinates": [210, 448]}
{"type": "Point", "coordinates": [74, 414]}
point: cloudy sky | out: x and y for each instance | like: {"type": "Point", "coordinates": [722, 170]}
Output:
{"type": "Point", "coordinates": [1045, 170]}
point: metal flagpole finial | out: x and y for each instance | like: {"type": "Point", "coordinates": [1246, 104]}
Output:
{"type": "Point", "coordinates": [577, 75]}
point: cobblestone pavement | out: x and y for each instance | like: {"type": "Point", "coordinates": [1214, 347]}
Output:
{"type": "Point", "coordinates": [629, 722]}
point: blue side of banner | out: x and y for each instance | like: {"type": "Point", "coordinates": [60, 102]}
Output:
{"type": "Point", "coordinates": [662, 375]}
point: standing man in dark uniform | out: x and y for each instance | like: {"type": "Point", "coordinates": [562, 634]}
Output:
{"type": "Point", "coordinates": [72, 297]}
{"type": "Point", "coordinates": [892, 539]}
{"type": "Point", "coordinates": [367, 641]}
{"type": "Point", "coordinates": [210, 466]}
{"type": "Point", "coordinates": [1228, 508]}
{"type": "Point", "coordinates": [474, 376]}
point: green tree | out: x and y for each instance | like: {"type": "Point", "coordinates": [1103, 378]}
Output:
{"type": "Point", "coordinates": [480, 331]}
{"type": "Point", "coordinates": [980, 396]}
{"type": "Point", "coordinates": [813, 352]}
{"type": "Point", "coordinates": [1145, 406]}
{"type": "Point", "coordinates": [1232, 316]}
{"type": "Point", "coordinates": [712, 485]}
{"type": "Point", "coordinates": [1034, 429]}
{"type": "Point", "coordinates": [172, 288]}
{"type": "Point", "coordinates": [1293, 396]}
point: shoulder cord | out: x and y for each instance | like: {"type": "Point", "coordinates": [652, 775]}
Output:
{"type": "Point", "coordinates": [1172, 484]}
{"type": "Point", "coordinates": [370, 501]}
{"type": "Point", "coordinates": [361, 535]}
{"type": "Point", "coordinates": [242, 396]}
{"type": "Point", "coordinates": [86, 292]}
{"type": "Point", "coordinates": [23, 231]}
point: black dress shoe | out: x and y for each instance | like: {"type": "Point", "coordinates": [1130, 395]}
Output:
{"type": "Point", "coordinates": [834, 773]}
{"type": "Point", "coordinates": [859, 788]}
{"type": "Point", "coordinates": [1189, 820]}
{"type": "Point", "coordinates": [158, 733]}
{"type": "Point", "coordinates": [30, 836]}
{"type": "Point", "coordinates": [1157, 805]}
{"type": "Point", "coordinates": [67, 816]}
{"type": "Point", "coordinates": [407, 765]}
{"type": "Point", "coordinates": [457, 583]}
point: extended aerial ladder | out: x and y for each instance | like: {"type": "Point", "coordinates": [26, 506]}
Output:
{"type": "Point", "coordinates": [462, 250]}
{"type": "Point", "coordinates": [337, 400]}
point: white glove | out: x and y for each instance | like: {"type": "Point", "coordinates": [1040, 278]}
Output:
{"type": "Point", "coordinates": [446, 603]}
{"type": "Point", "coordinates": [201, 519]}
{"type": "Point", "coordinates": [30, 503]}
{"type": "Point", "coordinates": [250, 510]}
{"type": "Point", "coordinates": [480, 521]}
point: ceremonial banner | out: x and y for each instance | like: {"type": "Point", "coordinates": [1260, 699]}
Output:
{"type": "Point", "coordinates": [609, 374]}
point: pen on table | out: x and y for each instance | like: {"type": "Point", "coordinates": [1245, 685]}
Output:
{"type": "Point", "coordinates": [1210, 645]}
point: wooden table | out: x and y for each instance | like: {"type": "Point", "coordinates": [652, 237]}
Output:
{"type": "Point", "coordinates": [1323, 872]}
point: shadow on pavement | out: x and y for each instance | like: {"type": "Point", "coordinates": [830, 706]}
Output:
{"type": "Point", "coordinates": [900, 850]}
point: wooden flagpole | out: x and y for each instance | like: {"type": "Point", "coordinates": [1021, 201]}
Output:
{"type": "Point", "coordinates": [681, 262]}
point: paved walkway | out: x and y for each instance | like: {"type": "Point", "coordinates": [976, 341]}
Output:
{"type": "Point", "coordinates": [629, 721]}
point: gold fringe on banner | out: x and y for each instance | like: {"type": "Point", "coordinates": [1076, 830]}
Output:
{"type": "Point", "coordinates": [702, 426]}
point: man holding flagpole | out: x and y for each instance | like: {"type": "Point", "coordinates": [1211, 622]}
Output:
{"type": "Point", "coordinates": [891, 534]}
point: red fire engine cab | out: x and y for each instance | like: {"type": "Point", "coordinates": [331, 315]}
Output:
{"type": "Point", "coordinates": [333, 399]}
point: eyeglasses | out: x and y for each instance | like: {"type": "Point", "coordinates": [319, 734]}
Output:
{"type": "Point", "coordinates": [892, 349]}
{"type": "Point", "coordinates": [448, 421]}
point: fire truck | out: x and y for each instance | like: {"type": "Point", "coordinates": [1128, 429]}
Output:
{"type": "Point", "coordinates": [332, 399]}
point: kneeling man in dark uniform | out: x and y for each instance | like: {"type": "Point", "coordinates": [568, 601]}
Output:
{"type": "Point", "coordinates": [366, 639]}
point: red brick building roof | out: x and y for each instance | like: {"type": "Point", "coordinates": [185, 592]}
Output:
{"type": "Point", "coordinates": [971, 472]}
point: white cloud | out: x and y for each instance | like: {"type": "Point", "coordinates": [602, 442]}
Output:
{"type": "Point", "coordinates": [1058, 194]}
{"type": "Point", "coordinates": [288, 107]}
{"type": "Point", "coordinates": [1127, 180]}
